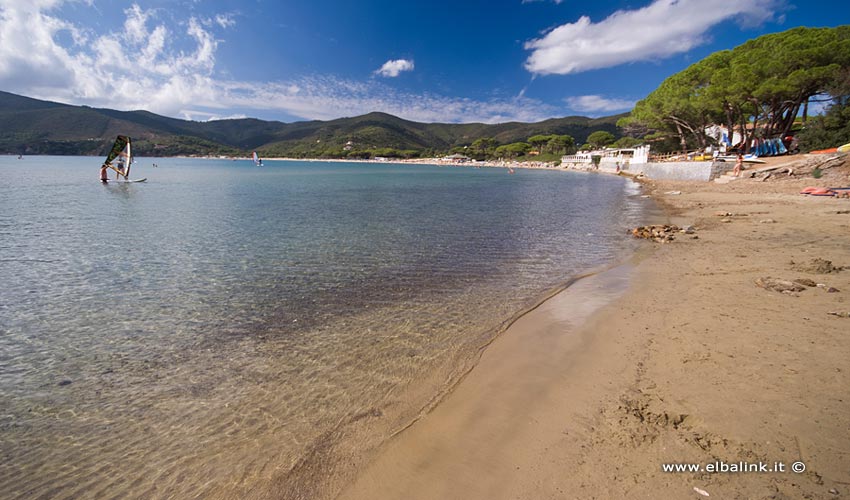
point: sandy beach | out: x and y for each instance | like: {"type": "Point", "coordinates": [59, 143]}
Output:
{"type": "Point", "coordinates": [591, 393]}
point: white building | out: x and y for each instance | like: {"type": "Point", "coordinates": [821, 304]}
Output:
{"type": "Point", "coordinates": [609, 159]}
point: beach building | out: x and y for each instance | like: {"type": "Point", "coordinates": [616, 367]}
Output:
{"type": "Point", "coordinates": [636, 161]}
{"type": "Point", "coordinates": [609, 160]}
{"type": "Point", "coordinates": [456, 158]}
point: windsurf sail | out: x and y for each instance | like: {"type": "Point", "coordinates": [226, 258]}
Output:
{"type": "Point", "coordinates": [121, 155]}
{"type": "Point", "coordinates": [257, 161]}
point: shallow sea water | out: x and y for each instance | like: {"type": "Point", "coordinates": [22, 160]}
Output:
{"type": "Point", "coordinates": [223, 330]}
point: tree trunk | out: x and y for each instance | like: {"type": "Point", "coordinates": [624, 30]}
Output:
{"type": "Point", "coordinates": [756, 116]}
{"type": "Point", "coordinates": [745, 136]}
{"type": "Point", "coordinates": [730, 122]}
{"type": "Point", "coordinates": [789, 120]}
{"type": "Point", "coordinates": [682, 140]}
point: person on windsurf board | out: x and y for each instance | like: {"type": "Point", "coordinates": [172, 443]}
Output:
{"type": "Point", "coordinates": [123, 158]}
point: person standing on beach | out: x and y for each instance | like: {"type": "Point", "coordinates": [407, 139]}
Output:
{"type": "Point", "coordinates": [739, 164]}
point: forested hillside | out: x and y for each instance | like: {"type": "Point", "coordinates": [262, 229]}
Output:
{"type": "Point", "coordinates": [30, 126]}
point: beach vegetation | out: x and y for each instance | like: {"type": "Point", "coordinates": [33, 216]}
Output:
{"type": "Point", "coordinates": [560, 145]}
{"type": "Point", "coordinates": [539, 141]}
{"type": "Point", "coordinates": [832, 128]}
{"type": "Point", "coordinates": [513, 150]}
{"type": "Point", "coordinates": [757, 89]}
{"type": "Point", "coordinates": [626, 142]}
{"type": "Point", "coordinates": [596, 160]}
{"type": "Point", "coordinates": [484, 147]}
{"type": "Point", "coordinates": [553, 144]}
{"type": "Point", "coordinates": [600, 139]}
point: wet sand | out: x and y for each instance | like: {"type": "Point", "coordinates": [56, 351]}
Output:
{"type": "Point", "coordinates": [694, 363]}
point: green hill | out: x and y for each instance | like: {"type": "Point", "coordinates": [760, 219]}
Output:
{"type": "Point", "coordinates": [40, 127]}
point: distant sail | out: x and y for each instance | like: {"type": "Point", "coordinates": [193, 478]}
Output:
{"type": "Point", "coordinates": [257, 160]}
{"type": "Point", "coordinates": [121, 151]}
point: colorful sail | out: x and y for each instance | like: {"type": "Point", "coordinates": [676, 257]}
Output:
{"type": "Point", "coordinates": [121, 155]}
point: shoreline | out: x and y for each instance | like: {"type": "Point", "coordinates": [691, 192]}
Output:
{"type": "Point", "coordinates": [437, 162]}
{"type": "Point", "coordinates": [461, 414]}
{"type": "Point", "coordinates": [694, 363]}
{"type": "Point", "coordinates": [331, 465]}
{"type": "Point", "coordinates": [325, 476]}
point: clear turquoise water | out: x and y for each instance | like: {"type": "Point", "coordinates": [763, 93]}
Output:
{"type": "Point", "coordinates": [211, 331]}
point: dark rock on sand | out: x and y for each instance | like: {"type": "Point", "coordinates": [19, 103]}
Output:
{"type": "Point", "coordinates": [805, 282]}
{"type": "Point", "coordinates": [816, 266]}
{"type": "Point", "coordinates": [778, 285]}
{"type": "Point", "coordinates": [660, 233]}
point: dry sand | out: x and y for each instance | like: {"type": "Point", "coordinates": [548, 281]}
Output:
{"type": "Point", "coordinates": [588, 395]}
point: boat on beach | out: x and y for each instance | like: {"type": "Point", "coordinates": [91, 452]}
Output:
{"type": "Point", "coordinates": [747, 158]}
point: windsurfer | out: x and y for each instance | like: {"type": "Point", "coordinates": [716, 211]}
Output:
{"type": "Point", "coordinates": [120, 152]}
{"type": "Point", "coordinates": [104, 176]}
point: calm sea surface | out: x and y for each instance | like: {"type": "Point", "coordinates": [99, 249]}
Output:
{"type": "Point", "coordinates": [228, 330]}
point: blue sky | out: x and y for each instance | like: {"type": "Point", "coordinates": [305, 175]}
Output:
{"type": "Point", "coordinates": [431, 61]}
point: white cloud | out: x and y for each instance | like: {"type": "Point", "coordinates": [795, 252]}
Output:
{"type": "Point", "coordinates": [169, 68]}
{"type": "Point", "coordinates": [597, 104]}
{"type": "Point", "coordinates": [659, 30]}
{"type": "Point", "coordinates": [393, 68]}
{"type": "Point", "coordinates": [324, 98]}
{"type": "Point", "coordinates": [136, 67]}
{"type": "Point", "coordinates": [225, 20]}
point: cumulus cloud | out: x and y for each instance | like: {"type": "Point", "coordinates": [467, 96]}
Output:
{"type": "Point", "coordinates": [133, 67]}
{"type": "Point", "coordinates": [597, 104]}
{"type": "Point", "coordinates": [169, 67]}
{"type": "Point", "coordinates": [659, 30]}
{"type": "Point", "coordinates": [393, 68]}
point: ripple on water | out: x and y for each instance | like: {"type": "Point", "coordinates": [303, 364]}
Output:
{"type": "Point", "coordinates": [198, 335]}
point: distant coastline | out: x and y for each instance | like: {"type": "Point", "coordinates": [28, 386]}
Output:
{"type": "Point", "coordinates": [436, 161]}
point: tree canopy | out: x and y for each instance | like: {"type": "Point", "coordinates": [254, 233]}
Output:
{"type": "Point", "coordinates": [758, 88]}
{"type": "Point", "coordinates": [552, 144]}
{"type": "Point", "coordinates": [600, 139]}
{"type": "Point", "coordinates": [513, 150]}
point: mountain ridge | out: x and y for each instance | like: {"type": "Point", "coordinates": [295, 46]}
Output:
{"type": "Point", "coordinates": [33, 126]}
